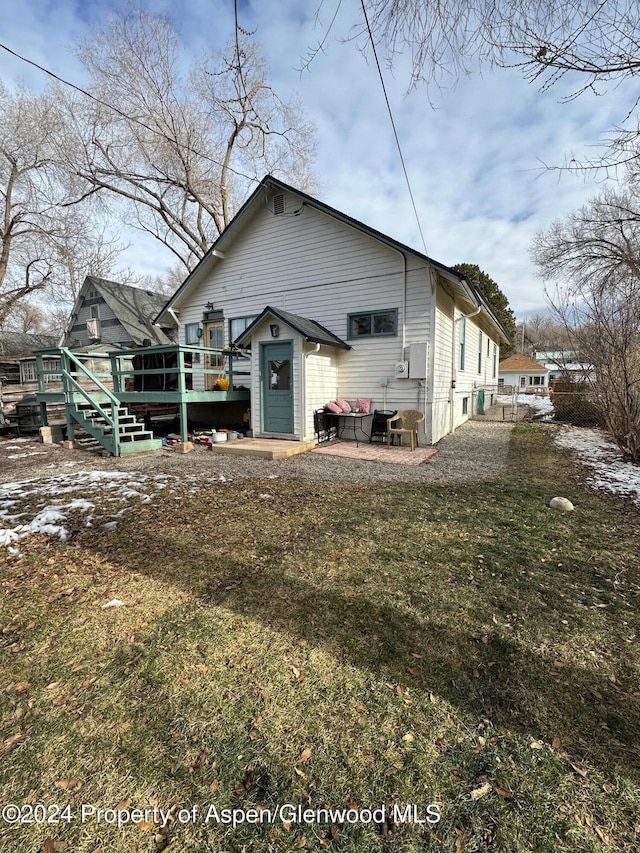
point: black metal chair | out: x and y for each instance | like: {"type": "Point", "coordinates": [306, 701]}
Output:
{"type": "Point", "coordinates": [379, 422]}
{"type": "Point", "coordinates": [324, 425]}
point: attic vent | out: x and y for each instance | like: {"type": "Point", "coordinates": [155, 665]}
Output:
{"type": "Point", "coordinates": [278, 204]}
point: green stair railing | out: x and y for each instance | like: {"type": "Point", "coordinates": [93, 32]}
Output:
{"type": "Point", "coordinates": [72, 387]}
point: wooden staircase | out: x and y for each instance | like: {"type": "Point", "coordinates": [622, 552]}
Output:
{"type": "Point", "coordinates": [91, 404]}
{"type": "Point", "coordinates": [113, 427]}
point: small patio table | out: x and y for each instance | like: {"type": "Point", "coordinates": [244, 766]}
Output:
{"type": "Point", "coordinates": [350, 421]}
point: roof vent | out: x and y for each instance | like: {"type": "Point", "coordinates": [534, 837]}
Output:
{"type": "Point", "coordinates": [278, 204]}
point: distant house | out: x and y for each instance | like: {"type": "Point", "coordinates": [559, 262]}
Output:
{"type": "Point", "coordinates": [115, 315]}
{"type": "Point", "coordinates": [523, 373]}
{"type": "Point", "coordinates": [564, 364]}
{"type": "Point", "coordinates": [16, 349]}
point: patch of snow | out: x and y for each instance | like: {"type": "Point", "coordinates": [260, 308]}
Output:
{"type": "Point", "coordinates": [599, 452]}
{"type": "Point", "coordinates": [542, 405]}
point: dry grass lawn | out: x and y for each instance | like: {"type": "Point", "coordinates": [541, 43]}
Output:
{"type": "Point", "coordinates": [281, 642]}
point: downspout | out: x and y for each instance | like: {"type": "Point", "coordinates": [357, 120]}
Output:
{"type": "Point", "coordinates": [454, 338]}
{"type": "Point", "coordinates": [303, 386]}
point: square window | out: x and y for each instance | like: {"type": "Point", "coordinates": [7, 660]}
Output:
{"type": "Point", "coordinates": [371, 324]}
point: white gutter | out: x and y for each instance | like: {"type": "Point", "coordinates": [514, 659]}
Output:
{"type": "Point", "coordinates": [454, 340]}
{"type": "Point", "coordinates": [303, 388]}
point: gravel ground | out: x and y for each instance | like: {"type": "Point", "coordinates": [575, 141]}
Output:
{"type": "Point", "coordinates": [476, 451]}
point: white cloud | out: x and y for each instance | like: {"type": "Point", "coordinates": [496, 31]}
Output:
{"type": "Point", "coordinates": [475, 160]}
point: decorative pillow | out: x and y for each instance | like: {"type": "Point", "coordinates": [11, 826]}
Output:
{"type": "Point", "coordinates": [333, 407]}
{"type": "Point", "coordinates": [344, 406]}
{"type": "Point", "coordinates": [364, 404]}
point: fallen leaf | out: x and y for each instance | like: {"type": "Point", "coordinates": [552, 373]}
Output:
{"type": "Point", "coordinates": [482, 791]}
{"type": "Point", "coordinates": [305, 755]}
{"type": "Point", "coordinates": [69, 784]}
{"type": "Point", "coordinates": [10, 742]}
{"type": "Point", "coordinates": [602, 836]}
{"type": "Point", "coordinates": [414, 673]}
{"type": "Point", "coordinates": [461, 841]}
{"type": "Point", "coordinates": [556, 743]}
{"type": "Point", "coordinates": [505, 793]}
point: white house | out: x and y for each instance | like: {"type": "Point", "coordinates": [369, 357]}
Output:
{"type": "Point", "coordinates": [521, 372]}
{"type": "Point", "coordinates": [328, 308]}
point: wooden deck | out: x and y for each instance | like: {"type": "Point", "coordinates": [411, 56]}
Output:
{"type": "Point", "coordinates": [263, 448]}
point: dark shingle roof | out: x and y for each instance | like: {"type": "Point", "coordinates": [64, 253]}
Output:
{"type": "Point", "coordinates": [22, 343]}
{"type": "Point", "coordinates": [134, 307]}
{"type": "Point", "coordinates": [309, 329]}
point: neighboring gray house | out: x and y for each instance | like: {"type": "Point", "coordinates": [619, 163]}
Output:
{"type": "Point", "coordinates": [16, 365]}
{"type": "Point", "coordinates": [112, 314]}
{"type": "Point", "coordinates": [333, 309]}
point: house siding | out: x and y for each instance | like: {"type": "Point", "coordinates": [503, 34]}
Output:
{"type": "Point", "coordinates": [111, 330]}
{"type": "Point", "coordinates": [317, 267]}
{"type": "Point", "coordinates": [313, 264]}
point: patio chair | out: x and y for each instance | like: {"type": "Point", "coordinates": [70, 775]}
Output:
{"type": "Point", "coordinates": [409, 420]}
{"type": "Point", "coordinates": [379, 422]}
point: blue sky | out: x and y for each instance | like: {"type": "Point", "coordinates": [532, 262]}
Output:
{"type": "Point", "coordinates": [474, 152]}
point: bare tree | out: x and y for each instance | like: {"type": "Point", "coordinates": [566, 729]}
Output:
{"type": "Point", "coordinates": [594, 259]}
{"type": "Point", "coordinates": [593, 43]}
{"type": "Point", "coordinates": [177, 152]}
{"type": "Point", "coordinates": [45, 247]}
{"type": "Point", "coordinates": [542, 333]}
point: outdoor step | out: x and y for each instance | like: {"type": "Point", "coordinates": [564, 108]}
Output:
{"type": "Point", "coordinates": [122, 420]}
{"type": "Point", "coordinates": [140, 446]}
{"type": "Point", "coordinates": [143, 435]}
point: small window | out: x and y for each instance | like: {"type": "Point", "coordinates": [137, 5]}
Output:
{"type": "Point", "coordinates": [462, 343]}
{"type": "Point", "coordinates": [192, 334]}
{"type": "Point", "coordinates": [465, 405]}
{"type": "Point", "coordinates": [373, 324]}
{"type": "Point", "coordinates": [495, 360]}
{"type": "Point", "coordinates": [94, 312]}
{"type": "Point", "coordinates": [238, 324]}
{"type": "Point", "coordinates": [479, 352]}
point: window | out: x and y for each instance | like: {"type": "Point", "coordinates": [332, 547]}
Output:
{"type": "Point", "coordinates": [500, 382]}
{"type": "Point", "coordinates": [495, 360]}
{"type": "Point", "coordinates": [192, 334]}
{"type": "Point", "coordinates": [373, 324]}
{"type": "Point", "coordinates": [238, 324]}
{"type": "Point", "coordinates": [536, 380]}
{"type": "Point", "coordinates": [479, 352]}
{"type": "Point", "coordinates": [462, 342]}
{"type": "Point", "coordinates": [28, 372]}
{"type": "Point", "coordinates": [94, 312]}
{"type": "Point", "coordinates": [465, 405]}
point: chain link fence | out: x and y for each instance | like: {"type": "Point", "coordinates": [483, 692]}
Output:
{"type": "Point", "coordinates": [507, 403]}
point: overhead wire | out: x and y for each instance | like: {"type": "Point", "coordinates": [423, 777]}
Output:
{"type": "Point", "coordinates": [393, 124]}
{"type": "Point", "coordinates": [122, 113]}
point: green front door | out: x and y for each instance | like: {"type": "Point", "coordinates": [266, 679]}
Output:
{"type": "Point", "coordinates": [277, 387]}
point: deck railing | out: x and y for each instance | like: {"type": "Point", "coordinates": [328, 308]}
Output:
{"type": "Point", "coordinates": [173, 367]}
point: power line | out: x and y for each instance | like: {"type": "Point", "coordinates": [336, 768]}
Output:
{"type": "Point", "coordinates": [123, 114]}
{"type": "Point", "coordinates": [393, 124]}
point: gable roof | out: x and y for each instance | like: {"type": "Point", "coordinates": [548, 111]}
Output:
{"type": "Point", "coordinates": [309, 329]}
{"type": "Point", "coordinates": [134, 307]}
{"type": "Point", "coordinates": [23, 343]}
{"type": "Point", "coordinates": [466, 290]}
{"type": "Point", "coordinates": [518, 361]}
